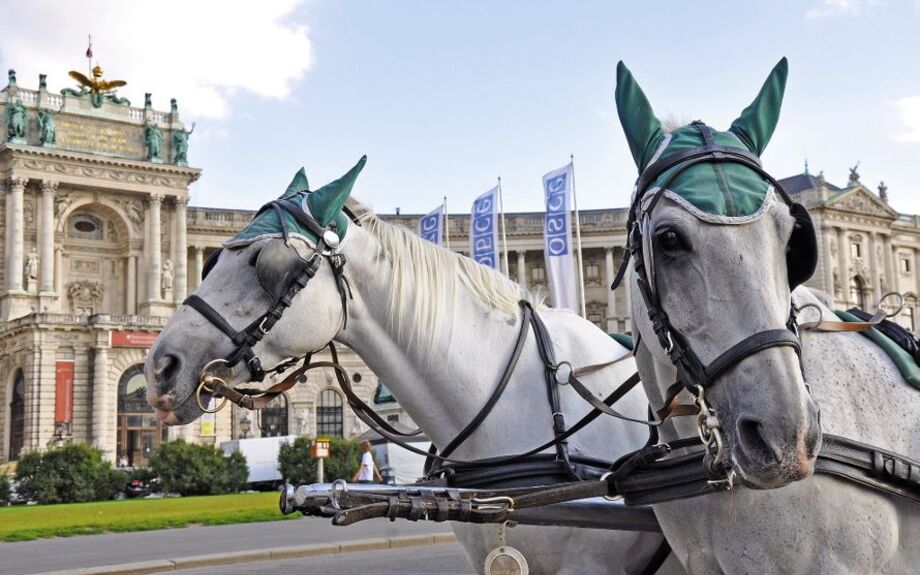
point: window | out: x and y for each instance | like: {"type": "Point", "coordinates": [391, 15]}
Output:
{"type": "Point", "coordinates": [905, 265]}
{"type": "Point", "coordinates": [858, 292]}
{"type": "Point", "coordinates": [139, 431]}
{"type": "Point", "coordinates": [856, 250]}
{"type": "Point", "coordinates": [538, 274]}
{"type": "Point", "coordinates": [85, 227]}
{"type": "Point", "coordinates": [592, 271]}
{"type": "Point", "coordinates": [274, 417]}
{"type": "Point", "coordinates": [329, 416]}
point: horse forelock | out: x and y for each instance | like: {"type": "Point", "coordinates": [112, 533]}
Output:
{"type": "Point", "coordinates": [424, 280]}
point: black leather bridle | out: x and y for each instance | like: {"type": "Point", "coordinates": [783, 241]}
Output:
{"type": "Point", "coordinates": [282, 273]}
{"type": "Point", "coordinates": [692, 373]}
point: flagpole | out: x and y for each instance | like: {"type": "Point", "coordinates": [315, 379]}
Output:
{"type": "Point", "coordinates": [581, 278]}
{"type": "Point", "coordinates": [446, 225]}
{"type": "Point", "coordinates": [501, 209]}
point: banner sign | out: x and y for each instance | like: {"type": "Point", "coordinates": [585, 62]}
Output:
{"type": "Point", "coordinates": [63, 391]}
{"type": "Point", "coordinates": [208, 421]}
{"type": "Point", "coordinates": [430, 226]}
{"type": "Point", "coordinates": [484, 229]}
{"type": "Point", "coordinates": [557, 233]}
{"type": "Point", "coordinates": [132, 338]}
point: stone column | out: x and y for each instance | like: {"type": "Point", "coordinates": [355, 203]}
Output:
{"type": "Point", "coordinates": [15, 249]}
{"type": "Point", "coordinates": [59, 275]}
{"type": "Point", "coordinates": [102, 410]}
{"type": "Point", "coordinates": [180, 281]}
{"type": "Point", "coordinates": [611, 295]}
{"type": "Point", "coordinates": [828, 263]}
{"type": "Point", "coordinates": [199, 265]}
{"type": "Point", "coordinates": [131, 299]}
{"type": "Point", "coordinates": [890, 272]}
{"type": "Point", "coordinates": [843, 266]}
{"type": "Point", "coordinates": [874, 270]}
{"type": "Point", "coordinates": [154, 248]}
{"type": "Point", "coordinates": [46, 236]}
{"type": "Point", "coordinates": [522, 268]}
{"type": "Point", "coordinates": [916, 274]}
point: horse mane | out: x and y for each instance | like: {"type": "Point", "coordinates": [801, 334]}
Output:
{"type": "Point", "coordinates": [424, 277]}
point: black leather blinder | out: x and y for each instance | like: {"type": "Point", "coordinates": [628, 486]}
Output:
{"type": "Point", "coordinates": [277, 266]}
{"type": "Point", "coordinates": [802, 249]}
{"type": "Point", "coordinates": [210, 263]}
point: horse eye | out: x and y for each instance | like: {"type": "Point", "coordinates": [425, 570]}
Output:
{"type": "Point", "coordinates": [669, 239]}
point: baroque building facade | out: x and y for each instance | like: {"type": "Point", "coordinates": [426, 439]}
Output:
{"type": "Point", "coordinates": [100, 247]}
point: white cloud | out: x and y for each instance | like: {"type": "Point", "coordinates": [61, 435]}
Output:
{"type": "Point", "coordinates": [202, 52]}
{"type": "Point", "coordinates": [836, 8]}
{"type": "Point", "coordinates": [910, 118]}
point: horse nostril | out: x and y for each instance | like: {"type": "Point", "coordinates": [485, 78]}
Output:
{"type": "Point", "coordinates": [165, 368]}
{"type": "Point", "coordinates": [752, 436]}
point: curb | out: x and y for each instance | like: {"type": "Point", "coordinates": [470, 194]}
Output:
{"type": "Point", "coordinates": [270, 554]}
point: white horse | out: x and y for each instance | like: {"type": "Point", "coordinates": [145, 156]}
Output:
{"type": "Point", "coordinates": [438, 329]}
{"type": "Point", "coordinates": [721, 279]}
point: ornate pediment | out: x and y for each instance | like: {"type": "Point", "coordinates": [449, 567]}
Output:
{"type": "Point", "coordinates": [861, 201]}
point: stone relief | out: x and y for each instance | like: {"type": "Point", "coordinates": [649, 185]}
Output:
{"type": "Point", "coordinates": [28, 213]}
{"type": "Point", "coordinates": [833, 246]}
{"type": "Point", "coordinates": [85, 296]}
{"type": "Point", "coordinates": [837, 288]}
{"type": "Point", "coordinates": [102, 173]}
{"type": "Point", "coordinates": [61, 202]}
{"type": "Point", "coordinates": [858, 267]}
{"type": "Point", "coordinates": [860, 202]}
{"type": "Point", "coordinates": [134, 210]}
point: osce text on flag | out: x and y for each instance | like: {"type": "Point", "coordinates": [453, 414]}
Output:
{"type": "Point", "coordinates": [557, 239]}
{"type": "Point", "coordinates": [484, 233]}
{"type": "Point", "coordinates": [429, 226]}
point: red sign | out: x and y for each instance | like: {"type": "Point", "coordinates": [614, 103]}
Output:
{"type": "Point", "coordinates": [63, 391]}
{"type": "Point", "coordinates": [133, 338]}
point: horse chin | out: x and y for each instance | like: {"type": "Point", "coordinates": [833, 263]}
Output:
{"type": "Point", "coordinates": [774, 476]}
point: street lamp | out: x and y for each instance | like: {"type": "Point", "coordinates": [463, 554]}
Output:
{"type": "Point", "coordinates": [245, 425]}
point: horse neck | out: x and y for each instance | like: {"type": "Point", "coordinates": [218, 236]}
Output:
{"type": "Point", "coordinates": [441, 382]}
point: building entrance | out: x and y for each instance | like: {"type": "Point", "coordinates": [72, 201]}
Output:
{"type": "Point", "coordinates": [139, 431]}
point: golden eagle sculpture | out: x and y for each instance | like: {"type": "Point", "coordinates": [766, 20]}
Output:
{"type": "Point", "coordinates": [96, 85]}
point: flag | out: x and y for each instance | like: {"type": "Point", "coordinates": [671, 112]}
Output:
{"type": "Point", "coordinates": [484, 229]}
{"type": "Point", "coordinates": [557, 233]}
{"type": "Point", "coordinates": [431, 225]}
{"type": "Point", "coordinates": [89, 48]}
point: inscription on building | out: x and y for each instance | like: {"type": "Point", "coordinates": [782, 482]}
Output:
{"type": "Point", "coordinates": [104, 138]}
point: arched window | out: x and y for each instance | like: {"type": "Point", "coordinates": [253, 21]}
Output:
{"type": "Point", "coordinates": [139, 431]}
{"type": "Point", "coordinates": [274, 417]}
{"type": "Point", "coordinates": [329, 415]}
{"type": "Point", "coordinates": [17, 415]}
{"type": "Point", "coordinates": [858, 292]}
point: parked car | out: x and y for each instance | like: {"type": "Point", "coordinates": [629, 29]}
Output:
{"type": "Point", "coordinates": [141, 483]}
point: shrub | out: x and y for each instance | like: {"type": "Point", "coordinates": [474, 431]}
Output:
{"type": "Point", "coordinates": [5, 490]}
{"type": "Point", "coordinates": [191, 469]}
{"type": "Point", "coordinates": [298, 466]}
{"type": "Point", "coordinates": [68, 474]}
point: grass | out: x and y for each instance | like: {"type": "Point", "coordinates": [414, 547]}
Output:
{"type": "Point", "coordinates": [24, 523]}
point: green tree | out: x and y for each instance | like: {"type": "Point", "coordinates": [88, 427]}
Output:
{"type": "Point", "coordinates": [5, 490]}
{"type": "Point", "coordinates": [297, 465]}
{"type": "Point", "coordinates": [68, 474]}
{"type": "Point", "coordinates": [191, 469]}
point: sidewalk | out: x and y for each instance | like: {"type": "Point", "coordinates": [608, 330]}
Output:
{"type": "Point", "coordinates": [179, 545]}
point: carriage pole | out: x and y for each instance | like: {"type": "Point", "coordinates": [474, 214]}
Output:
{"type": "Point", "coordinates": [501, 209]}
{"type": "Point", "coordinates": [581, 278]}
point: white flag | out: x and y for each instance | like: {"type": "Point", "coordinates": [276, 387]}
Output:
{"type": "Point", "coordinates": [431, 225]}
{"type": "Point", "coordinates": [484, 229]}
{"type": "Point", "coordinates": [557, 233]}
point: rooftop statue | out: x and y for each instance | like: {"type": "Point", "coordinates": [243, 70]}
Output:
{"type": "Point", "coordinates": [47, 133]}
{"type": "Point", "coordinates": [97, 88]}
{"type": "Point", "coordinates": [180, 142]}
{"type": "Point", "coordinates": [153, 138]}
{"type": "Point", "coordinates": [17, 121]}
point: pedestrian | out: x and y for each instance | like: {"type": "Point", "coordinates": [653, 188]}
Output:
{"type": "Point", "coordinates": [368, 470]}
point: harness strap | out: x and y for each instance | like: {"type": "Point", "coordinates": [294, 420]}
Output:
{"type": "Point", "coordinates": [749, 346]}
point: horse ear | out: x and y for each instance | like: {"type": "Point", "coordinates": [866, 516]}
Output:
{"type": "Point", "coordinates": [642, 128]}
{"type": "Point", "coordinates": [327, 201]}
{"type": "Point", "coordinates": [756, 123]}
{"type": "Point", "coordinates": [297, 185]}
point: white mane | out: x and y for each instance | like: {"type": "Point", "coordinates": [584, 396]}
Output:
{"type": "Point", "coordinates": [425, 278]}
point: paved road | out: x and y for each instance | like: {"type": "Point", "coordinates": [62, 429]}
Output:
{"type": "Point", "coordinates": [111, 549]}
{"type": "Point", "coordinates": [444, 559]}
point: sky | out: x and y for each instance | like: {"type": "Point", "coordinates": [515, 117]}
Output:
{"type": "Point", "coordinates": [444, 97]}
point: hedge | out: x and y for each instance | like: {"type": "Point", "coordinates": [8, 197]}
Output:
{"type": "Point", "coordinates": [298, 466]}
{"type": "Point", "coordinates": [69, 474]}
{"type": "Point", "coordinates": [192, 469]}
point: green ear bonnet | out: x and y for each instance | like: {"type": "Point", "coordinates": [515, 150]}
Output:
{"type": "Point", "coordinates": [324, 205]}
